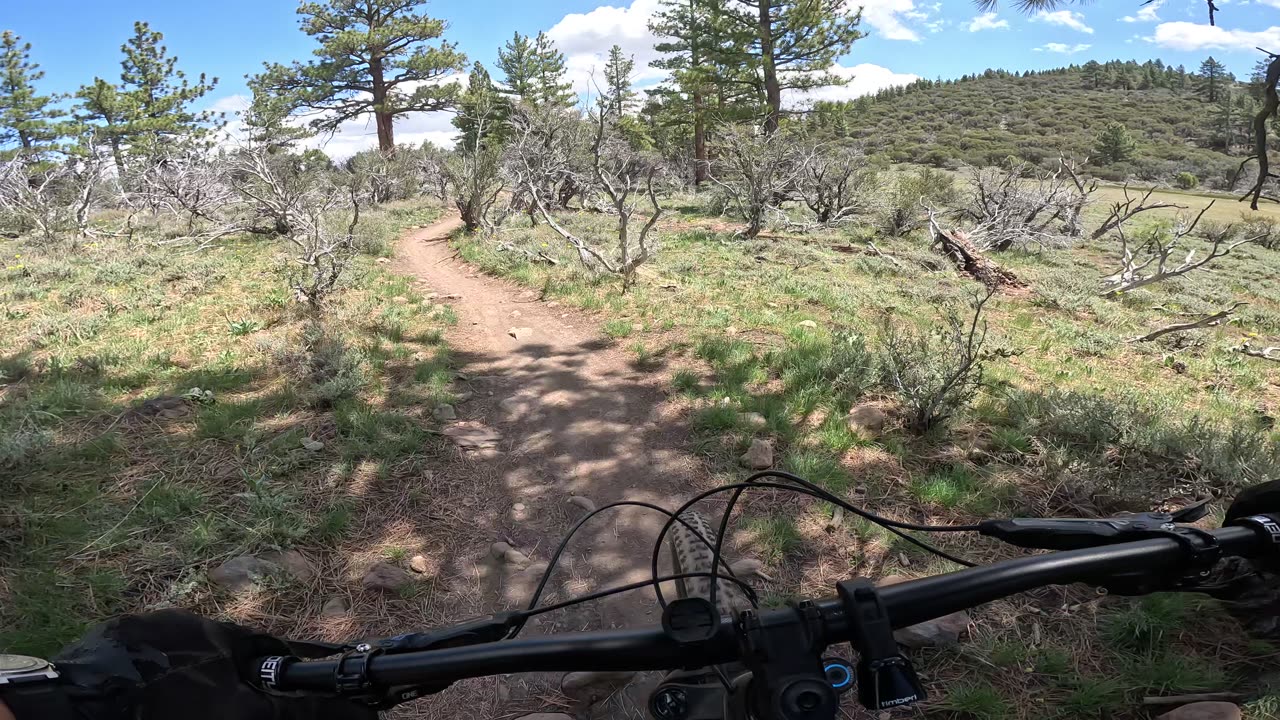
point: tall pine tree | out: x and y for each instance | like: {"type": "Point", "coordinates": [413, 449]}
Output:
{"type": "Point", "coordinates": [482, 113]}
{"type": "Point", "coordinates": [618, 96]}
{"type": "Point", "coordinates": [533, 71]}
{"type": "Point", "coordinates": [376, 57]}
{"type": "Point", "coordinates": [29, 124]}
{"type": "Point", "coordinates": [793, 45]}
{"type": "Point", "coordinates": [1213, 80]}
{"type": "Point", "coordinates": [159, 96]}
{"type": "Point", "coordinates": [151, 107]}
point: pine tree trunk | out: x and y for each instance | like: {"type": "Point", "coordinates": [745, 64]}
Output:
{"type": "Point", "coordinates": [700, 166]}
{"type": "Point", "coordinates": [382, 118]}
{"type": "Point", "coordinates": [772, 90]}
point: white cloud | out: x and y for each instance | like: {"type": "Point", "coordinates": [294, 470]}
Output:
{"type": "Point", "coordinates": [882, 16]}
{"type": "Point", "coordinates": [987, 21]}
{"type": "Point", "coordinates": [1147, 13]}
{"type": "Point", "coordinates": [585, 39]}
{"type": "Point", "coordinates": [1065, 18]}
{"type": "Point", "coordinates": [1063, 48]}
{"type": "Point", "coordinates": [1193, 36]}
{"type": "Point", "coordinates": [864, 79]}
{"type": "Point", "coordinates": [1272, 3]}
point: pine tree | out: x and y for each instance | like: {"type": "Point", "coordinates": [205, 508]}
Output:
{"type": "Point", "coordinates": [1114, 144]}
{"type": "Point", "coordinates": [482, 112]}
{"type": "Point", "coordinates": [103, 112]}
{"type": "Point", "coordinates": [29, 122]}
{"type": "Point", "coordinates": [267, 120]}
{"type": "Point", "coordinates": [1093, 75]}
{"type": "Point", "coordinates": [375, 58]}
{"type": "Point", "coordinates": [793, 45]}
{"type": "Point", "coordinates": [618, 95]}
{"type": "Point", "coordinates": [533, 71]}
{"type": "Point", "coordinates": [158, 95]}
{"type": "Point", "coordinates": [691, 43]}
{"type": "Point", "coordinates": [1213, 76]}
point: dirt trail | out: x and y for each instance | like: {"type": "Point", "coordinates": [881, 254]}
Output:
{"type": "Point", "coordinates": [575, 419]}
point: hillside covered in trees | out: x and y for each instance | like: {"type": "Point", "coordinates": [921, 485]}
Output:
{"type": "Point", "coordinates": [1178, 120]}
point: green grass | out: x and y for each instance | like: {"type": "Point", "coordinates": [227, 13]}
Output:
{"type": "Point", "coordinates": [977, 700]}
{"type": "Point", "coordinates": [948, 487]}
{"type": "Point", "coordinates": [618, 329]}
{"type": "Point", "coordinates": [774, 536]}
{"type": "Point", "coordinates": [121, 511]}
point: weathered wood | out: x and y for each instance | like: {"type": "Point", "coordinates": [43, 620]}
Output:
{"type": "Point", "coordinates": [1266, 353]}
{"type": "Point", "coordinates": [1204, 322]}
{"type": "Point", "coordinates": [956, 245]}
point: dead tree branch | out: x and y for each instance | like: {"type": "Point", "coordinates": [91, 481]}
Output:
{"type": "Point", "coordinates": [1157, 249]}
{"type": "Point", "coordinates": [1266, 353]}
{"type": "Point", "coordinates": [1122, 212]}
{"type": "Point", "coordinates": [1205, 322]}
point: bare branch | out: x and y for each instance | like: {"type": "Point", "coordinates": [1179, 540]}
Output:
{"type": "Point", "coordinates": [1205, 322]}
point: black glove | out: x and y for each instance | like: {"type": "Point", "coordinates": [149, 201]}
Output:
{"type": "Point", "coordinates": [173, 664]}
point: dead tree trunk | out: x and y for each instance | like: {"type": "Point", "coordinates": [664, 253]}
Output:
{"type": "Point", "coordinates": [970, 260]}
{"type": "Point", "coordinates": [1270, 103]}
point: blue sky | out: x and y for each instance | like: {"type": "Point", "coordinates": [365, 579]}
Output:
{"type": "Point", "coordinates": [76, 39]}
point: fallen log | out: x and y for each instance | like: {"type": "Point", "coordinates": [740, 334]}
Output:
{"type": "Point", "coordinates": [956, 245]}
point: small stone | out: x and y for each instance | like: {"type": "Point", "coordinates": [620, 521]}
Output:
{"type": "Point", "coordinates": [471, 436]}
{"type": "Point", "coordinates": [807, 324]}
{"type": "Point", "coordinates": [939, 632]}
{"type": "Point", "coordinates": [334, 608]}
{"type": "Point", "coordinates": [748, 567]}
{"type": "Point", "coordinates": [241, 572]}
{"type": "Point", "coordinates": [637, 327]}
{"type": "Point", "coordinates": [519, 512]}
{"type": "Point", "coordinates": [520, 333]}
{"type": "Point", "coordinates": [516, 558]}
{"type": "Point", "coordinates": [1204, 711]}
{"type": "Point", "coordinates": [385, 576]}
{"type": "Point", "coordinates": [759, 456]}
{"type": "Point", "coordinates": [590, 687]}
{"type": "Point", "coordinates": [516, 313]}
{"type": "Point", "coordinates": [753, 420]}
{"type": "Point", "coordinates": [444, 411]}
{"type": "Point", "coordinates": [464, 396]}
{"type": "Point", "coordinates": [499, 550]}
{"type": "Point", "coordinates": [725, 402]}
{"type": "Point", "coordinates": [731, 330]}
{"type": "Point", "coordinates": [866, 420]}
{"type": "Point", "coordinates": [400, 300]}
{"type": "Point", "coordinates": [419, 564]}
{"type": "Point", "coordinates": [553, 304]}
{"type": "Point", "coordinates": [585, 503]}
{"type": "Point", "coordinates": [295, 564]}
{"type": "Point", "coordinates": [382, 261]}
{"type": "Point", "coordinates": [312, 445]}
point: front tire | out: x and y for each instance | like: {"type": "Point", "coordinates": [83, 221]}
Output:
{"type": "Point", "coordinates": [693, 553]}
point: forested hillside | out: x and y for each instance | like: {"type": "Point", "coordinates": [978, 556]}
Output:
{"type": "Point", "coordinates": [1179, 121]}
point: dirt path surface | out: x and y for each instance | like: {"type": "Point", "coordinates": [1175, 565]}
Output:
{"type": "Point", "coordinates": [567, 417]}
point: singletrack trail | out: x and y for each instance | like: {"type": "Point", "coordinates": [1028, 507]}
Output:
{"type": "Point", "coordinates": [573, 418]}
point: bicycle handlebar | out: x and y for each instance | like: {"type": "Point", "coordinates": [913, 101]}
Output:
{"type": "Point", "coordinates": [650, 648]}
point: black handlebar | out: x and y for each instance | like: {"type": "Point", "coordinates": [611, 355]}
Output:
{"type": "Point", "coordinates": [650, 648]}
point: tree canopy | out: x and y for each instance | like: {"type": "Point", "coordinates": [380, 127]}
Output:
{"type": "Point", "coordinates": [375, 57]}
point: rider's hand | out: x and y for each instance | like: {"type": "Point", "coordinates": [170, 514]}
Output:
{"type": "Point", "coordinates": [174, 664]}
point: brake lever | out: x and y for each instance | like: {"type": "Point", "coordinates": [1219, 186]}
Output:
{"type": "Point", "coordinates": [1078, 533]}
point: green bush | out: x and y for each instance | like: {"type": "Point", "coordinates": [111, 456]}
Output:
{"type": "Point", "coordinates": [1186, 180]}
{"type": "Point", "coordinates": [909, 192]}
